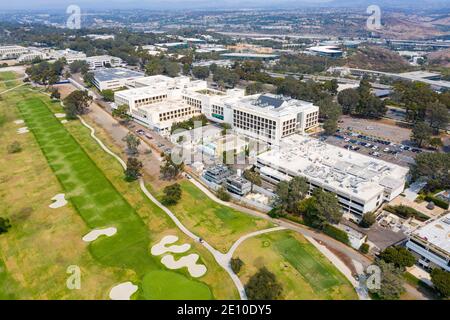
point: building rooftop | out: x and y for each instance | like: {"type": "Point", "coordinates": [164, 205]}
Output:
{"type": "Point", "coordinates": [250, 55]}
{"type": "Point", "coordinates": [109, 74]}
{"type": "Point", "coordinates": [420, 74]}
{"type": "Point", "coordinates": [437, 233]}
{"type": "Point", "coordinates": [343, 170]}
{"type": "Point", "coordinates": [326, 49]}
{"type": "Point", "coordinates": [276, 105]}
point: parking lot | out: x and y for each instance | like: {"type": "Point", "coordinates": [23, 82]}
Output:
{"type": "Point", "coordinates": [384, 149]}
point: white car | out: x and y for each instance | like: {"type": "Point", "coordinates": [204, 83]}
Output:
{"type": "Point", "coordinates": [386, 150]}
{"type": "Point", "coordinates": [374, 147]}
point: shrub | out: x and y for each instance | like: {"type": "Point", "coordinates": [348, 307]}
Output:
{"type": "Point", "coordinates": [263, 286]}
{"type": "Point", "coordinates": [364, 248]}
{"type": "Point", "coordinates": [439, 202]}
{"type": "Point", "coordinates": [4, 225]}
{"type": "Point", "coordinates": [172, 194]}
{"type": "Point", "coordinates": [399, 256]}
{"type": "Point", "coordinates": [368, 220]}
{"type": "Point", "coordinates": [441, 281]}
{"type": "Point", "coordinates": [14, 147]}
{"type": "Point", "coordinates": [406, 212]}
{"type": "Point", "coordinates": [223, 194]}
{"type": "Point", "coordinates": [236, 264]}
{"type": "Point", "coordinates": [336, 233]}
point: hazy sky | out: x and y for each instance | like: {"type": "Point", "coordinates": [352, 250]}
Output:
{"type": "Point", "coordinates": [195, 4]}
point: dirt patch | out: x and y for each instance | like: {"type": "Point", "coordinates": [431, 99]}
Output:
{"type": "Point", "coordinates": [342, 256]}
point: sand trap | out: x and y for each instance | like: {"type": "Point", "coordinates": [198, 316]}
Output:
{"type": "Point", "coordinates": [59, 201]}
{"type": "Point", "coordinates": [64, 121]}
{"type": "Point", "coordinates": [19, 121]}
{"type": "Point", "coordinates": [22, 130]}
{"type": "Point", "coordinates": [60, 115]}
{"type": "Point", "coordinates": [94, 234]}
{"type": "Point", "coordinates": [123, 291]}
{"type": "Point", "coordinates": [160, 248]}
{"type": "Point", "coordinates": [196, 270]}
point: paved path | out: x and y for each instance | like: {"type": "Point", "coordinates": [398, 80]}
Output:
{"type": "Point", "coordinates": [20, 85]}
{"type": "Point", "coordinates": [222, 259]}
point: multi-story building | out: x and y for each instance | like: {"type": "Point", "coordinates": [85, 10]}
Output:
{"type": "Point", "coordinates": [265, 117]}
{"type": "Point", "coordinates": [32, 55]}
{"type": "Point", "coordinates": [12, 52]}
{"type": "Point", "coordinates": [360, 182]}
{"type": "Point", "coordinates": [238, 185]}
{"type": "Point", "coordinates": [431, 244]}
{"type": "Point", "coordinates": [115, 78]}
{"type": "Point", "coordinates": [96, 62]}
{"type": "Point", "coordinates": [217, 174]}
{"type": "Point", "coordinates": [68, 54]}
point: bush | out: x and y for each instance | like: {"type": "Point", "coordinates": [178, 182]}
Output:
{"type": "Point", "coordinates": [223, 194]}
{"type": "Point", "coordinates": [236, 264]}
{"type": "Point", "coordinates": [441, 281]}
{"type": "Point", "coordinates": [406, 212]}
{"type": "Point", "coordinates": [364, 248]}
{"type": "Point", "coordinates": [399, 256]}
{"type": "Point", "coordinates": [4, 225]}
{"type": "Point", "coordinates": [336, 233]}
{"type": "Point", "coordinates": [439, 202]}
{"type": "Point", "coordinates": [263, 286]}
{"type": "Point", "coordinates": [14, 147]}
{"type": "Point", "coordinates": [172, 194]}
{"type": "Point", "coordinates": [368, 220]}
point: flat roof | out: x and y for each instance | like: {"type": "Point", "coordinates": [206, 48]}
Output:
{"type": "Point", "coordinates": [250, 55]}
{"type": "Point", "coordinates": [326, 49]}
{"type": "Point", "coordinates": [108, 74]}
{"type": "Point", "coordinates": [346, 171]}
{"type": "Point", "coordinates": [436, 232]}
{"type": "Point", "coordinates": [420, 74]}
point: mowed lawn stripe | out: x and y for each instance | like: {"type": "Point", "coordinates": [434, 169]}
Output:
{"type": "Point", "coordinates": [92, 194]}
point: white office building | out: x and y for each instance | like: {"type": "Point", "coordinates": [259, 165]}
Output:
{"type": "Point", "coordinates": [32, 55]}
{"type": "Point", "coordinates": [96, 62]}
{"type": "Point", "coordinates": [431, 244]}
{"type": "Point", "coordinates": [12, 52]}
{"type": "Point", "coordinates": [264, 117]}
{"type": "Point", "coordinates": [361, 183]}
{"type": "Point", "coordinates": [115, 78]}
{"type": "Point", "coordinates": [68, 54]}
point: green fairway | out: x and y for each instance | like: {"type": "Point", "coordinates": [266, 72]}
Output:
{"type": "Point", "coordinates": [219, 224]}
{"type": "Point", "coordinates": [301, 269]}
{"type": "Point", "coordinates": [158, 285]}
{"type": "Point", "coordinates": [7, 77]}
{"type": "Point", "coordinates": [94, 197]}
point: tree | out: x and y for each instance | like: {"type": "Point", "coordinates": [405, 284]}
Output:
{"type": "Point", "coordinates": [441, 281]}
{"type": "Point", "coordinates": [330, 126]}
{"type": "Point", "coordinates": [172, 194]}
{"type": "Point", "coordinates": [54, 93]}
{"type": "Point", "coordinates": [77, 103]}
{"type": "Point", "coordinates": [368, 220]}
{"type": "Point", "coordinates": [121, 112]}
{"type": "Point", "coordinates": [200, 72]}
{"type": "Point", "coordinates": [14, 147]}
{"type": "Point", "coordinates": [253, 177]}
{"type": "Point", "coordinates": [364, 248]}
{"type": "Point", "coordinates": [391, 286]}
{"type": "Point", "coordinates": [236, 265]}
{"type": "Point", "coordinates": [421, 133]}
{"type": "Point", "coordinates": [290, 193]}
{"type": "Point", "coordinates": [170, 170]}
{"type": "Point", "coordinates": [263, 286]}
{"type": "Point", "coordinates": [79, 66]}
{"type": "Point", "coordinates": [88, 79]}
{"type": "Point", "coordinates": [254, 88]}
{"type": "Point", "coordinates": [5, 225]}
{"type": "Point", "coordinates": [399, 256]}
{"type": "Point", "coordinates": [223, 194]}
{"type": "Point", "coordinates": [436, 143]}
{"type": "Point", "coordinates": [327, 205]}
{"type": "Point", "coordinates": [133, 143]}
{"type": "Point", "coordinates": [225, 128]}
{"type": "Point", "coordinates": [434, 168]}
{"type": "Point", "coordinates": [437, 115]}
{"type": "Point", "coordinates": [133, 171]}
{"type": "Point", "coordinates": [108, 95]}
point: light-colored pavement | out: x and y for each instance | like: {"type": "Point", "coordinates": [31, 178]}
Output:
{"type": "Point", "coordinates": [6, 91]}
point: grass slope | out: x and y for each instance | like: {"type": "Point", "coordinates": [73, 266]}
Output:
{"type": "Point", "coordinates": [301, 269]}
{"type": "Point", "coordinates": [95, 198]}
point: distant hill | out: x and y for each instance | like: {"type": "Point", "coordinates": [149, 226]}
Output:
{"type": "Point", "coordinates": [380, 59]}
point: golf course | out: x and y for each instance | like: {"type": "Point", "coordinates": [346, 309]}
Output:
{"type": "Point", "coordinates": [60, 160]}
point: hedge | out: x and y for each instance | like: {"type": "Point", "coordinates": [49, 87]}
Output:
{"type": "Point", "coordinates": [439, 202]}
{"type": "Point", "coordinates": [406, 212]}
{"type": "Point", "coordinates": [336, 233]}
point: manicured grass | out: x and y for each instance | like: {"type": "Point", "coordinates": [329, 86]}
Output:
{"type": "Point", "coordinates": [158, 285]}
{"type": "Point", "coordinates": [301, 269]}
{"type": "Point", "coordinates": [220, 225]}
{"type": "Point", "coordinates": [7, 76]}
{"type": "Point", "coordinates": [94, 197]}
{"type": "Point", "coordinates": [7, 285]}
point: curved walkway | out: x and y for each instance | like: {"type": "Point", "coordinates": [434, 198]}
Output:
{"type": "Point", "coordinates": [222, 259]}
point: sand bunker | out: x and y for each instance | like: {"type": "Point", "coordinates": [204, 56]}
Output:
{"type": "Point", "coordinates": [160, 248]}
{"type": "Point", "coordinates": [22, 130]}
{"type": "Point", "coordinates": [190, 261]}
{"type": "Point", "coordinates": [94, 234]}
{"type": "Point", "coordinates": [19, 121]}
{"type": "Point", "coordinates": [64, 121]}
{"type": "Point", "coordinates": [60, 115]}
{"type": "Point", "coordinates": [59, 201]}
{"type": "Point", "coordinates": [123, 291]}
